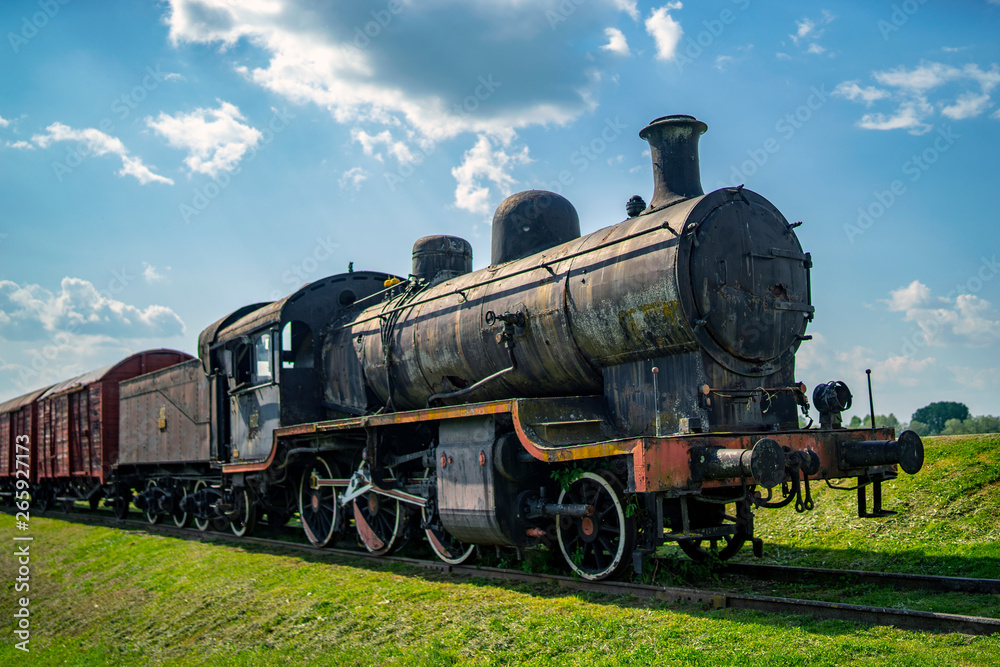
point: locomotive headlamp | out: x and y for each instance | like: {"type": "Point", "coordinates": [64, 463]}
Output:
{"type": "Point", "coordinates": [831, 399]}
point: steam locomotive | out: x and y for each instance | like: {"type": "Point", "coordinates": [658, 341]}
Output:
{"type": "Point", "coordinates": [601, 394]}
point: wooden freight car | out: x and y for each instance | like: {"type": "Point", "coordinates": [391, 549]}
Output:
{"type": "Point", "coordinates": [78, 429]}
{"type": "Point", "coordinates": [18, 419]}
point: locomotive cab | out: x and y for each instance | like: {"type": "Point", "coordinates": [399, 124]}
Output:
{"type": "Point", "coordinates": [265, 363]}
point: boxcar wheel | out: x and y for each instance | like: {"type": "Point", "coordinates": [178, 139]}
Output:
{"type": "Point", "coordinates": [43, 499]}
{"type": "Point", "coordinates": [246, 513]}
{"type": "Point", "coordinates": [119, 504]}
{"type": "Point", "coordinates": [181, 517]}
{"type": "Point", "coordinates": [596, 547]}
{"type": "Point", "coordinates": [201, 523]}
{"type": "Point", "coordinates": [318, 508]}
{"type": "Point", "coordinates": [151, 517]}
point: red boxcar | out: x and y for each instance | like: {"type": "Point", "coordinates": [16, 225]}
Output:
{"type": "Point", "coordinates": [18, 417]}
{"type": "Point", "coordinates": [78, 428]}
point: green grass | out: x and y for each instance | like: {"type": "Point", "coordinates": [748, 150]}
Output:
{"type": "Point", "coordinates": [108, 596]}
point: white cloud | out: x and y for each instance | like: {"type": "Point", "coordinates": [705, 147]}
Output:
{"type": "Point", "coordinates": [902, 370]}
{"type": "Point", "coordinates": [908, 116]}
{"type": "Point", "coordinates": [616, 42]}
{"type": "Point", "coordinates": [910, 90]}
{"type": "Point", "coordinates": [629, 7]}
{"type": "Point", "coordinates": [852, 91]}
{"type": "Point", "coordinates": [968, 105]}
{"type": "Point", "coordinates": [398, 149]}
{"type": "Point", "coordinates": [215, 139]}
{"type": "Point", "coordinates": [94, 142]}
{"type": "Point", "coordinates": [929, 75]}
{"type": "Point", "coordinates": [30, 312]}
{"type": "Point", "coordinates": [376, 77]}
{"type": "Point", "coordinates": [483, 163]}
{"type": "Point", "coordinates": [665, 30]}
{"type": "Point", "coordinates": [817, 360]}
{"type": "Point", "coordinates": [133, 166]}
{"type": "Point", "coordinates": [914, 295]}
{"type": "Point", "coordinates": [808, 31]}
{"type": "Point", "coordinates": [353, 178]}
{"type": "Point", "coordinates": [151, 275]}
{"type": "Point", "coordinates": [722, 61]}
{"type": "Point", "coordinates": [812, 355]}
{"type": "Point", "coordinates": [895, 367]}
{"type": "Point", "coordinates": [965, 319]}
{"type": "Point", "coordinates": [976, 378]}
{"type": "Point", "coordinates": [20, 145]}
{"type": "Point", "coordinates": [804, 27]}
{"type": "Point", "coordinates": [4, 122]}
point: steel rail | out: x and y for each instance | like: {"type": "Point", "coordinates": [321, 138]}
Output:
{"type": "Point", "coordinates": [905, 619]}
{"type": "Point", "coordinates": [894, 579]}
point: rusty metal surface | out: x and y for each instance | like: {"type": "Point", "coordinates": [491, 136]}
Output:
{"type": "Point", "coordinates": [8, 447]}
{"type": "Point", "coordinates": [529, 222]}
{"type": "Point", "coordinates": [441, 257]}
{"type": "Point", "coordinates": [164, 416]}
{"type": "Point", "coordinates": [78, 422]}
{"type": "Point", "coordinates": [663, 464]}
{"type": "Point", "coordinates": [622, 294]}
{"type": "Point", "coordinates": [19, 417]}
{"type": "Point", "coordinates": [21, 401]}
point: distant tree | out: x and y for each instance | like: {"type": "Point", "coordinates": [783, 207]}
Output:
{"type": "Point", "coordinates": [919, 428]}
{"type": "Point", "coordinates": [955, 427]}
{"type": "Point", "coordinates": [936, 414]}
{"type": "Point", "coordinates": [982, 424]}
{"type": "Point", "coordinates": [881, 421]}
{"type": "Point", "coordinates": [987, 424]}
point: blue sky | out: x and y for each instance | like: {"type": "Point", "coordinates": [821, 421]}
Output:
{"type": "Point", "coordinates": [163, 163]}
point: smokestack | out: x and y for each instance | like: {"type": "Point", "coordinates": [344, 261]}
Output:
{"type": "Point", "coordinates": [673, 143]}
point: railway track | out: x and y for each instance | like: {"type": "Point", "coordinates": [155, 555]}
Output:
{"type": "Point", "coordinates": [901, 618]}
{"type": "Point", "coordinates": [890, 579]}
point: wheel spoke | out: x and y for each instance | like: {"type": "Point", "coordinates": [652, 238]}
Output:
{"type": "Point", "coordinates": [596, 553]}
{"type": "Point", "coordinates": [603, 513]}
{"type": "Point", "coordinates": [319, 522]}
{"type": "Point", "coordinates": [607, 546]}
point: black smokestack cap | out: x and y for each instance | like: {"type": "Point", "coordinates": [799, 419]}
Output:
{"type": "Point", "coordinates": [673, 144]}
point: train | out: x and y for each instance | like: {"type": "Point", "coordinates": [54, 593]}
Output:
{"type": "Point", "coordinates": [602, 394]}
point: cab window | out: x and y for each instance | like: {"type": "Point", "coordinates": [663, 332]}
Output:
{"type": "Point", "coordinates": [262, 357]}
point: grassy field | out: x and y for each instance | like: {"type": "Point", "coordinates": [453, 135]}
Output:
{"type": "Point", "coordinates": [108, 596]}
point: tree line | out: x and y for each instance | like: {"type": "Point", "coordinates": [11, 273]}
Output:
{"type": "Point", "coordinates": [940, 418]}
